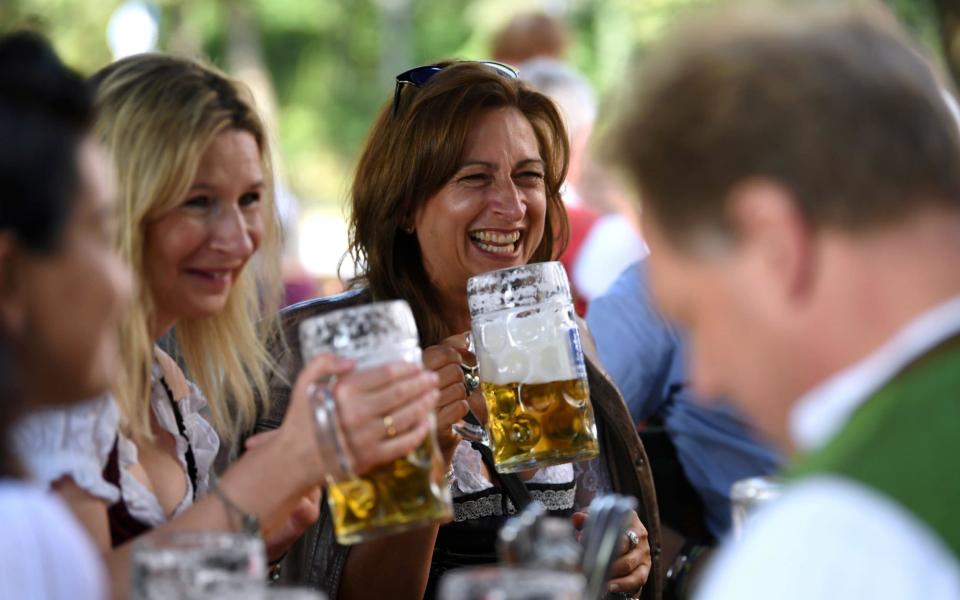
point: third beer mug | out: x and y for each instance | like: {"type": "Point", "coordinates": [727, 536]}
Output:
{"type": "Point", "coordinates": [532, 371]}
{"type": "Point", "coordinates": [409, 492]}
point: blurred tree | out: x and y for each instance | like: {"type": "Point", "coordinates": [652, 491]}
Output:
{"type": "Point", "coordinates": [919, 16]}
{"type": "Point", "coordinates": [77, 29]}
{"type": "Point", "coordinates": [948, 13]}
{"type": "Point", "coordinates": [331, 63]}
{"type": "Point", "coordinates": [936, 24]}
{"type": "Point", "coordinates": [245, 59]}
{"type": "Point", "coordinates": [182, 37]}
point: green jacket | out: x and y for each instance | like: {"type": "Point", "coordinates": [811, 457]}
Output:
{"type": "Point", "coordinates": [904, 442]}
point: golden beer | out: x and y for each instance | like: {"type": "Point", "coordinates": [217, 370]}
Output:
{"type": "Point", "coordinates": [409, 492]}
{"type": "Point", "coordinates": [404, 494]}
{"type": "Point", "coordinates": [531, 367]}
{"type": "Point", "coordinates": [539, 424]}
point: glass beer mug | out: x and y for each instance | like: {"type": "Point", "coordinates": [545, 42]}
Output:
{"type": "Point", "coordinates": [532, 371]}
{"type": "Point", "coordinates": [511, 583]}
{"type": "Point", "coordinates": [748, 496]}
{"type": "Point", "coordinates": [189, 565]}
{"type": "Point", "coordinates": [411, 491]}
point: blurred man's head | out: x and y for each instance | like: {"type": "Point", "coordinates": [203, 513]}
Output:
{"type": "Point", "coordinates": [575, 98]}
{"type": "Point", "coordinates": [530, 35]}
{"type": "Point", "coordinates": [773, 151]}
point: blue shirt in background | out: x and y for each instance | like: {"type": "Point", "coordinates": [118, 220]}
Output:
{"type": "Point", "coordinates": [645, 357]}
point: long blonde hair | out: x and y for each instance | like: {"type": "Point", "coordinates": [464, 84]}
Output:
{"type": "Point", "coordinates": [156, 115]}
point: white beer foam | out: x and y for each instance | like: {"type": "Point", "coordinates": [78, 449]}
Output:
{"type": "Point", "coordinates": [519, 347]}
{"type": "Point", "coordinates": [393, 353]}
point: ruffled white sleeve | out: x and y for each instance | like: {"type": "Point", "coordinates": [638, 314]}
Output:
{"type": "Point", "coordinates": [71, 442]}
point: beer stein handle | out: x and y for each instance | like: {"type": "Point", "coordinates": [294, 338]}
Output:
{"type": "Point", "coordinates": [471, 373]}
{"type": "Point", "coordinates": [470, 346]}
{"type": "Point", "coordinates": [331, 445]}
{"type": "Point", "coordinates": [609, 517]}
{"type": "Point", "coordinates": [472, 432]}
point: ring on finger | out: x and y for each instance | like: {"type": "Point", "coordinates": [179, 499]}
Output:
{"type": "Point", "coordinates": [388, 425]}
{"type": "Point", "coordinates": [633, 538]}
{"type": "Point", "coordinates": [471, 380]}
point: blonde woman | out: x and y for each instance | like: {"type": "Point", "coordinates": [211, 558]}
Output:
{"type": "Point", "coordinates": [195, 202]}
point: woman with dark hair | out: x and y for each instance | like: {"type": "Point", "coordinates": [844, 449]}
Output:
{"type": "Point", "coordinates": [62, 290]}
{"type": "Point", "coordinates": [461, 175]}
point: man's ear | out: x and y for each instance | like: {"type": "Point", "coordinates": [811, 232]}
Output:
{"type": "Point", "coordinates": [769, 223]}
{"type": "Point", "coordinates": [12, 313]}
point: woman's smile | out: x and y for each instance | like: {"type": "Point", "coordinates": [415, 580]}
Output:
{"type": "Point", "coordinates": [495, 204]}
{"type": "Point", "coordinates": [496, 242]}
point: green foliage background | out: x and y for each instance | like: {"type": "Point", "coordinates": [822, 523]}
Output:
{"type": "Point", "coordinates": [330, 61]}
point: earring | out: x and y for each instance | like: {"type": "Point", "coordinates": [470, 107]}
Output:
{"type": "Point", "coordinates": [408, 229]}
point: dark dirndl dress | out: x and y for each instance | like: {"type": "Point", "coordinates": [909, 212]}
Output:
{"type": "Point", "coordinates": [123, 525]}
{"type": "Point", "coordinates": [470, 539]}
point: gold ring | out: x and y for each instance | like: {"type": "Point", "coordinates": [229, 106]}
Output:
{"type": "Point", "coordinates": [388, 425]}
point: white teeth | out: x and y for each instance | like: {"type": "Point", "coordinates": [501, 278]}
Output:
{"type": "Point", "coordinates": [497, 249]}
{"type": "Point", "coordinates": [494, 242]}
{"type": "Point", "coordinates": [496, 238]}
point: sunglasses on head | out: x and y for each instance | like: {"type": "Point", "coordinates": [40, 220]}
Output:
{"type": "Point", "coordinates": [419, 76]}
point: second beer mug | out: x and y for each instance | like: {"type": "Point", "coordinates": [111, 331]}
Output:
{"type": "Point", "coordinates": [409, 492]}
{"type": "Point", "coordinates": [532, 370]}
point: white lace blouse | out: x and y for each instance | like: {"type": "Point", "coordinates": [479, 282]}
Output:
{"type": "Point", "coordinates": [76, 442]}
{"type": "Point", "coordinates": [469, 478]}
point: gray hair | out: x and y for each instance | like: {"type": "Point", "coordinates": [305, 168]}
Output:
{"type": "Point", "coordinates": [569, 90]}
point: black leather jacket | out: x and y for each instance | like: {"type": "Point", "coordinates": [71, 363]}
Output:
{"type": "Point", "coordinates": [317, 560]}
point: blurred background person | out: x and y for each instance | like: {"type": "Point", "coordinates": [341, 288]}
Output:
{"type": "Point", "coordinates": [62, 293]}
{"type": "Point", "coordinates": [813, 261]}
{"type": "Point", "coordinates": [603, 240]}
{"type": "Point", "coordinates": [474, 188]}
{"type": "Point", "coordinates": [195, 205]}
{"type": "Point", "coordinates": [530, 35]}
{"type": "Point", "coordinates": [697, 448]}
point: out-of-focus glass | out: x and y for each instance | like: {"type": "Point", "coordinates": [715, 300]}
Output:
{"type": "Point", "coordinates": [747, 496]}
{"type": "Point", "coordinates": [411, 491]}
{"type": "Point", "coordinates": [532, 371]}
{"type": "Point", "coordinates": [260, 590]}
{"type": "Point", "coordinates": [509, 583]}
{"type": "Point", "coordinates": [188, 564]}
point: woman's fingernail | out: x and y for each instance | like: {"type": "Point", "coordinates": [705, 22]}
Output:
{"type": "Point", "coordinates": [614, 587]}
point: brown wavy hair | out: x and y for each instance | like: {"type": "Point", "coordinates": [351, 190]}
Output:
{"type": "Point", "coordinates": [409, 156]}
